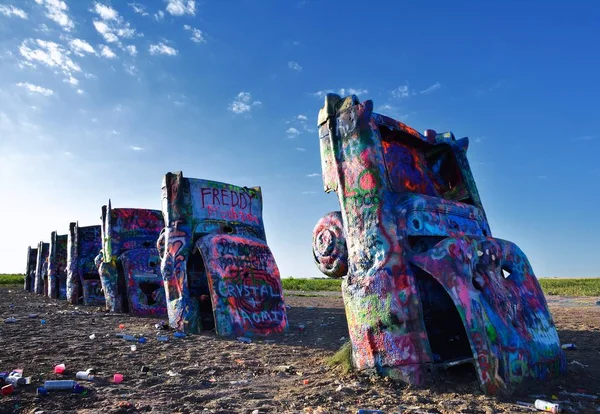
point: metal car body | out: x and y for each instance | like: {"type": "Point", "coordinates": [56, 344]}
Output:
{"type": "Point", "coordinates": [218, 270]}
{"type": "Point", "coordinates": [83, 281]}
{"type": "Point", "coordinates": [41, 269]}
{"type": "Point", "coordinates": [57, 266]}
{"type": "Point", "coordinates": [128, 264]}
{"type": "Point", "coordinates": [29, 282]}
{"type": "Point", "coordinates": [426, 285]}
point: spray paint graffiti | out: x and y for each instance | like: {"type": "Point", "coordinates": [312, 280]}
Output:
{"type": "Point", "coordinates": [83, 282]}
{"type": "Point", "coordinates": [127, 264]}
{"type": "Point", "coordinates": [218, 270]}
{"type": "Point", "coordinates": [29, 283]}
{"type": "Point", "coordinates": [57, 267]}
{"type": "Point", "coordinates": [41, 269]}
{"type": "Point", "coordinates": [426, 285]}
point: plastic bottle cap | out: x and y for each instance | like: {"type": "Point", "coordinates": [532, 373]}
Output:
{"type": "Point", "coordinates": [117, 378]}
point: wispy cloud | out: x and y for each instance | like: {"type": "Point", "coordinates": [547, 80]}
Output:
{"type": "Point", "coordinates": [80, 47]}
{"type": "Point", "coordinates": [197, 35]}
{"type": "Point", "coordinates": [9, 10]}
{"type": "Point", "coordinates": [401, 91]}
{"type": "Point", "coordinates": [159, 15]}
{"type": "Point", "coordinates": [300, 149]}
{"type": "Point", "coordinates": [584, 138]}
{"type": "Point", "coordinates": [49, 54]}
{"type": "Point", "coordinates": [302, 118]}
{"type": "Point", "coordinates": [313, 175]}
{"type": "Point", "coordinates": [181, 7]}
{"type": "Point", "coordinates": [243, 103]}
{"type": "Point", "coordinates": [162, 49]}
{"type": "Point", "coordinates": [431, 88]}
{"type": "Point", "coordinates": [107, 52]}
{"type": "Point", "coordinates": [131, 49]}
{"type": "Point", "coordinates": [56, 10]}
{"type": "Point", "coordinates": [309, 192]}
{"type": "Point", "coordinates": [135, 148]}
{"type": "Point", "coordinates": [342, 92]}
{"type": "Point", "coordinates": [111, 25]}
{"type": "Point", "coordinates": [71, 80]}
{"type": "Point", "coordinates": [139, 8]}
{"type": "Point", "coordinates": [36, 89]}
{"type": "Point", "coordinates": [294, 66]}
{"type": "Point", "coordinates": [497, 85]}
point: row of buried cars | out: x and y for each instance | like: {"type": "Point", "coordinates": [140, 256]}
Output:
{"type": "Point", "coordinates": [203, 261]}
{"type": "Point", "coordinates": [426, 287]}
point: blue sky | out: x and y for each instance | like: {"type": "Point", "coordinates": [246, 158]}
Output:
{"type": "Point", "coordinates": [101, 99]}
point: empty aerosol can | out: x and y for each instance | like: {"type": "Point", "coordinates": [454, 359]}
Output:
{"type": "Point", "coordinates": [547, 406]}
{"type": "Point", "coordinates": [51, 385]}
{"type": "Point", "coordinates": [84, 375]}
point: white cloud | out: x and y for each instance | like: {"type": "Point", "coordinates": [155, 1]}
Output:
{"type": "Point", "coordinates": [309, 192]}
{"type": "Point", "coordinates": [162, 49]}
{"type": "Point", "coordinates": [431, 88]}
{"type": "Point", "coordinates": [401, 92]}
{"type": "Point", "coordinates": [181, 7]}
{"type": "Point", "coordinates": [313, 175]}
{"type": "Point", "coordinates": [243, 103]}
{"type": "Point", "coordinates": [72, 80]}
{"type": "Point", "coordinates": [292, 132]}
{"type": "Point", "coordinates": [78, 46]}
{"type": "Point", "coordinates": [131, 49]}
{"type": "Point", "coordinates": [342, 91]}
{"type": "Point", "coordinates": [197, 35]}
{"type": "Point", "coordinates": [80, 91]}
{"type": "Point", "coordinates": [9, 10]}
{"type": "Point", "coordinates": [133, 147]}
{"type": "Point", "coordinates": [139, 8]}
{"type": "Point", "coordinates": [36, 89]}
{"type": "Point", "coordinates": [302, 118]}
{"type": "Point", "coordinates": [294, 66]}
{"type": "Point", "coordinates": [107, 52]}
{"type": "Point", "coordinates": [131, 69]}
{"type": "Point", "coordinates": [159, 15]}
{"type": "Point", "coordinates": [49, 54]}
{"type": "Point", "coordinates": [57, 10]}
{"type": "Point", "coordinates": [300, 149]}
{"type": "Point", "coordinates": [111, 25]}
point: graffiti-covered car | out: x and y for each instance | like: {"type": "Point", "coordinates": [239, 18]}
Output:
{"type": "Point", "coordinates": [57, 266]}
{"type": "Point", "coordinates": [426, 285]}
{"type": "Point", "coordinates": [41, 269]}
{"type": "Point", "coordinates": [218, 270]}
{"type": "Point", "coordinates": [128, 264]}
{"type": "Point", "coordinates": [29, 283]}
{"type": "Point", "coordinates": [83, 281]}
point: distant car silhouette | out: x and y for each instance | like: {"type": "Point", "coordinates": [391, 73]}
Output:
{"type": "Point", "coordinates": [426, 286]}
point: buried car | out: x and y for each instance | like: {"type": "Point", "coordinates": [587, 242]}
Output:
{"type": "Point", "coordinates": [83, 281]}
{"type": "Point", "coordinates": [218, 270]}
{"type": "Point", "coordinates": [128, 264]}
{"type": "Point", "coordinates": [29, 282]}
{"type": "Point", "coordinates": [426, 285]}
{"type": "Point", "coordinates": [57, 266]}
{"type": "Point", "coordinates": [40, 284]}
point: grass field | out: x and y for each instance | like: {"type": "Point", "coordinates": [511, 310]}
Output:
{"type": "Point", "coordinates": [564, 287]}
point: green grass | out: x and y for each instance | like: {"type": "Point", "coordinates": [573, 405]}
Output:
{"type": "Point", "coordinates": [11, 279]}
{"type": "Point", "coordinates": [342, 359]}
{"type": "Point", "coordinates": [329, 285]}
{"type": "Point", "coordinates": [563, 287]}
{"type": "Point", "coordinates": [571, 287]}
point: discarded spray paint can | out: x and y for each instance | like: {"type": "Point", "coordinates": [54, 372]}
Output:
{"type": "Point", "coordinates": [3, 376]}
{"type": "Point", "coordinates": [179, 335]}
{"type": "Point", "coordinates": [84, 375]}
{"type": "Point", "coordinates": [7, 389]}
{"type": "Point", "coordinates": [78, 389]}
{"type": "Point", "coordinates": [547, 406]}
{"type": "Point", "coordinates": [59, 385]}
{"type": "Point", "coordinates": [129, 338]}
{"type": "Point", "coordinates": [41, 391]}
{"type": "Point", "coordinates": [569, 346]}
{"type": "Point", "coordinates": [244, 339]}
{"type": "Point", "coordinates": [162, 338]}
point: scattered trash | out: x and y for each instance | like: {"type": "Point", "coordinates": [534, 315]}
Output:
{"type": "Point", "coordinates": [43, 322]}
{"type": "Point", "coordinates": [84, 375]}
{"type": "Point", "coordinates": [240, 382]}
{"type": "Point", "coordinates": [172, 373]}
{"type": "Point", "coordinates": [363, 411]}
{"type": "Point", "coordinates": [342, 339]}
{"type": "Point", "coordinates": [569, 346]}
{"type": "Point", "coordinates": [598, 303]}
{"type": "Point", "coordinates": [121, 326]}
{"type": "Point", "coordinates": [144, 369]}
{"type": "Point", "coordinates": [129, 338]}
{"type": "Point", "coordinates": [41, 391]}
{"type": "Point", "coordinates": [579, 394]}
{"type": "Point", "coordinates": [179, 335]}
{"type": "Point", "coordinates": [133, 348]}
{"type": "Point", "coordinates": [310, 307]}
{"type": "Point", "coordinates": [78, 389]}
{"type": "Point", "coordinates": [117, 378]}
{"type": "Point", "coordinates": [92, 336]}
{"type": "Point", "coordinates": [578, 364]}
{"type": "Point", "coordinates": [142, 340]}
{"type": "Point", "coordinates": [550, 407]}
{"type": "Point", "coordinates": [162, 338]}
{"type": "Point", "coordinates": [7, 389]}
{"type": "Point", "coordinates": [32, 315]}
{"type": "Point", "coordinates": [59, 385]}
{"type": "Point", "coordinates": [59, 369]}
{"type": "Point", "coordinates": [305, 382]}
{"type": "Point", "coordinates": [162, 325]}
{"type": "Point", "coordinates": [12, 319]}
{"type": "Point", "coordinates": [244, 339]}
{"type": "Point", "coordinates": [301, 327]}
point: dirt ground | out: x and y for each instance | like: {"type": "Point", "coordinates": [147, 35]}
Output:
{"type": "Point", "coordinates": [283, 374]}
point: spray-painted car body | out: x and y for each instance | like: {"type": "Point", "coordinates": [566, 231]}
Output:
{"type": "Point", "coordinates": [218, 269]}
{"type": "Point", "coordinates": [83, 282]}
{"type": "Point", "coordinates": [57, 266]}
{"type": "Point", "coordinates": [129, 265]}
{"type": "Point", "coordinates": [29, 283]}
{"type": "Point", "coordinates": [426, 286]}
{"type": "Point", "coordinates": [41, 269]}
